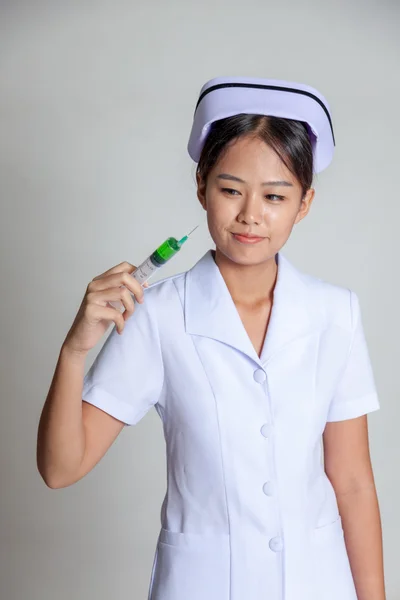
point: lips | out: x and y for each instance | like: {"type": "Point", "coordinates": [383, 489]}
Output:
{"type": "Point", "coordinates": [246, 238]}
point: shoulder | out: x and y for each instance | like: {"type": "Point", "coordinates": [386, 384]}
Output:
{"type": "Point", "coordinates": [165, 288]}
{"type": "Point", "coordinates": [163, 300]}
{"type": "Point", "coordinates": [338, 304]}
{"type": "Point", "coordinates": [159, 314]}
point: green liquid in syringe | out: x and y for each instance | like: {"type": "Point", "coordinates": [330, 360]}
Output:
{"type": "Point", "coordinates": [159, 257]}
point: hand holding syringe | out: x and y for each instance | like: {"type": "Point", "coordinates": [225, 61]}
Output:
{"type": "Point", "coordinates": [156, 260]}
{"type": "Point", "coordinates": [107, 293]}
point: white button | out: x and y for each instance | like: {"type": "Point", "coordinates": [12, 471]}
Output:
{"type": "Point", "coordinates": [259, 376]}
{"type": "Point", "coordinates": [276, 544]}
{"type": "Point", "coordinates": [268, 488]}
{"type": "Point", "coordinates": [266, 430]}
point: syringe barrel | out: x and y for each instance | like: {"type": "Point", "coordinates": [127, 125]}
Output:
{"type": "Point", "coordinates": [146, 270]}
{"type": "Point", "coordinates": [155, 261]}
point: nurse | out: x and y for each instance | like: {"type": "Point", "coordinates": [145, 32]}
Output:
{"type": "Point", "coordinates": [256, 370]}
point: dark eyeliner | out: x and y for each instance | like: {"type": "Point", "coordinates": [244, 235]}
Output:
{"type": "Point", "coordinates": [276, 196]}
{"type": "Point", "coordinates": [229, 190]}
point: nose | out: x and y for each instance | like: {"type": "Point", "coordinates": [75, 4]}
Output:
{"type": "Point", "coordinates": [251, 211]}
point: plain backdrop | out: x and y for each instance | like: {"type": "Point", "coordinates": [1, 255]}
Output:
{"type": "Point", "coordinates": [96, 105]}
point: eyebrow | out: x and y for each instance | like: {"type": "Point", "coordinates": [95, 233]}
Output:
{"type": "Point", "coordinates": [233, 178]}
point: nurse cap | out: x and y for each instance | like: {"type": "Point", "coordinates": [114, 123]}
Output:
{"type": "Point", "coordinates": [227, 96]}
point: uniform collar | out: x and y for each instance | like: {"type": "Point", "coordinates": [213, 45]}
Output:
{"type": "Point", "coordinates": [211, 312]}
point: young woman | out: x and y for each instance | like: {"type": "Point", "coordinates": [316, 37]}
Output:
{"type": "Point", "coordinates": [250, 364]}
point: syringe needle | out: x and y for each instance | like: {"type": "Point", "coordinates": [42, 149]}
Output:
{"type": "Point", "coordinates": [190, 232]}
{"type": "Point", "coordinates": [185, 238]}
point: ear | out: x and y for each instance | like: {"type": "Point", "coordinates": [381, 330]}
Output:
{"type": "Point", "coordinates": [201, 190]}
{"type": "Point", "coordinates": [305, 205]}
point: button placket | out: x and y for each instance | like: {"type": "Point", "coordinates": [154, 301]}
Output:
{"type": "Point", "coordinates": [275, 543]}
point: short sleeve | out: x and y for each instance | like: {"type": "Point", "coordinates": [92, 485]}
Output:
{"type": "Point", "coordinates": [356, 393]}
{"type": "Point", "coordinates": [126, 378]}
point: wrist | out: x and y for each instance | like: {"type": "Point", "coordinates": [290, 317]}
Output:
{"type": "Point", "coordinates": [72, 353]}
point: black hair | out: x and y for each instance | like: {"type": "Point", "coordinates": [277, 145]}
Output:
{"type": "Point", "coordinates": [289, 138]}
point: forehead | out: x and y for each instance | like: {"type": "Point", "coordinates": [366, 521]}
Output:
{"type": "Point", "coordinates": [248, 154]}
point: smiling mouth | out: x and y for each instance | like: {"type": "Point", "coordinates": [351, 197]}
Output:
{"type": "Point", "coordinates": [247, 238]}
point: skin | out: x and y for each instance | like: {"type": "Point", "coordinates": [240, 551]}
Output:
{"type": "Point", "coordinates": [249, 271]}
{"type": "Point", "coordinates": [269, 211]}
{"type": "Point", "coordinates": [249, 206]}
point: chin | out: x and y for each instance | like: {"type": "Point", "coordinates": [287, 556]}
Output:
{"type": "Point", "coordinates": [246, 256]}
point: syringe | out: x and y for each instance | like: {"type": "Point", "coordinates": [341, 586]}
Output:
{"type": "Point", "coordinates": [156, 260]}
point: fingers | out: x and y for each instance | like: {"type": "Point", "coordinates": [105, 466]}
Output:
{"type": "Point", "coordinates": [124, 267]}
{"type": "Point", "coordinates": [115, 289]}
{"type": "Point", "coordinates": [121, 278]}
{"type": "Point", "coordinates": [114, 294]}
{"type": "Point", "coordinates": [98, 304]}
{"type": "Point", "coordinates": [127, 301]}
{"type": "Point", "coordinates": [109, 314]}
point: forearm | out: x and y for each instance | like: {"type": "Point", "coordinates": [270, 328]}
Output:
{"type": "Point", "coordinates": [61, 435]}
{"type": "Point", "coordinates": [360, 514]}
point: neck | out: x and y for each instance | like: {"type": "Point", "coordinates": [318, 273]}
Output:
{"type": "Point", "coordinates": [248, 285]}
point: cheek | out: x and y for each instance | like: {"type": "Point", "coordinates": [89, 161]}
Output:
{"type": "Point", "coordinates": [281, 216]}
{"type": "Point", "coordinates": [280, 223]}
{"type": "Point", "coordinates": [220, 214]}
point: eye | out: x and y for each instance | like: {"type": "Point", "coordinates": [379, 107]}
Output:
{"type": "Point", "coordinates": [274, 197]}
{"type": "Point", "coordinates": [230, 191]}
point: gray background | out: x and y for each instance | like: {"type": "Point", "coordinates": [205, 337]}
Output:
{"type": "Point", "coordinates": [96, 103]}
